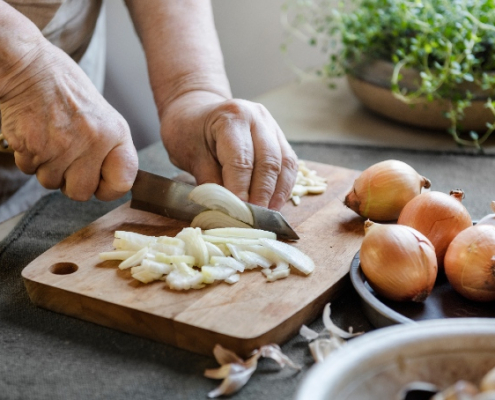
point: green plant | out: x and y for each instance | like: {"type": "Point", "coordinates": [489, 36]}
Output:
{"type": "Point", "coordinates": [450, 43]}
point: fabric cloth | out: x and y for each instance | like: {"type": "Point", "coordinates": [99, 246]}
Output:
{"type": "Point", "coordinates": [68, 24]}
{"type": "Point", "coordinates": [78, 28]}
{"type": "Point", "coordinates": [45, 355]}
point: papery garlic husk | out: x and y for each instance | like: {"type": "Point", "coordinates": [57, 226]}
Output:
{"type": "Point", "coordinates": [490, 218]}
{"type": "Point", "coordinates": [461, 390]}
{"type": "Point", "coordinates": [399, 262]}
{"type": "Point", "coordinates": [438, 216]}
{"type": "Point", "coordinates": [470, 263]}
{"type": "Point", "coordinates": [488, 381]}
{"type": "Point", "coordinates": [382, 190]}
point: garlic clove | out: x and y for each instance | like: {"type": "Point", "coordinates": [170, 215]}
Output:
{"type": "Point", "coordinates": [490, 218]}
{"type": "Point", "coordinates": [236, 372]}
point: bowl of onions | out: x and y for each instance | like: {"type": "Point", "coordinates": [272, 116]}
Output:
{"type": "Point", "coordinates": [388, 363]}
{"type": "Point", "coordinates": [402, 271]}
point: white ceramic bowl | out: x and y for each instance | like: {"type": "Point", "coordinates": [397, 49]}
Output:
{"type": "Point", "coordinates": [376, 365]}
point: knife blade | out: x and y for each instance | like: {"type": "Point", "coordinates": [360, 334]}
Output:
{"type": "Point", "coordinates": [167, 197]}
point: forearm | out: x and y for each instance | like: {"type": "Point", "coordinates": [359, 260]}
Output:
{"type": "Point", "coordinates": [20, 42]}
{"type": "Point", "coordinates": [182, 48]}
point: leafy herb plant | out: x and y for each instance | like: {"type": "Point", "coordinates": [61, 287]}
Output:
{"type": "Point", "coordinates": [451, 43]}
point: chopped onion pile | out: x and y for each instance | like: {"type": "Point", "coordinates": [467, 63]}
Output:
{"type": "Point", "coordinates": [307, 182]}
{"type": "Point", "coordinates": [195, 258]}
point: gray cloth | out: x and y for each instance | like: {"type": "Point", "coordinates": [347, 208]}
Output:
{"type": "Point", "coordinates": [44, 355]}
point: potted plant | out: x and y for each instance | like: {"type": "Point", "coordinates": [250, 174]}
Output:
{"type": "Point", "coordinates": [428, 63]}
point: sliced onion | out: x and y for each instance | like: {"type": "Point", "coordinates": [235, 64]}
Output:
{"type": "Point", "coordinates": [216, 197]}
{"type": "Point", "coordinates": [240, 232]}
{"type": "Point", "coordinates": [290, 254]}
{"type": "Point", "coordinates": [210, 219]}
{"type": "Point", "coordinates": [195, 245]}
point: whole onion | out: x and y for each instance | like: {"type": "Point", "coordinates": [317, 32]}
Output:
{"type": "Point", "coordinates": [399, 262]}
{"type": "Point", "coordinates": [382, 190]}
{"type": "Point", "coordinates": [470, 263]}
{"type": "Point", "coordinates": [438, 216]}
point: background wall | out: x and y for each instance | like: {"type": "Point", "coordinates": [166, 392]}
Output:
{"type": "Point", "coordinates": [250, 34]}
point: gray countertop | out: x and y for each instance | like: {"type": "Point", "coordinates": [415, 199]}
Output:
{"type": "Point", "coordinates": [45, 355]}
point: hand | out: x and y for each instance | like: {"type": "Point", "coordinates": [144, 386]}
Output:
{"type": "Point", "coordinates": [234, 143]}
{"type": "Point", "coordinates": [64, 131]}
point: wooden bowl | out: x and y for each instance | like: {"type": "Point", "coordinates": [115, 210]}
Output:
{"type": "Point", "coordinates": [370, 83]}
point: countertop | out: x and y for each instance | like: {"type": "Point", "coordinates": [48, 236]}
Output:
{"type": "Point", "coordinates": [45, 355]}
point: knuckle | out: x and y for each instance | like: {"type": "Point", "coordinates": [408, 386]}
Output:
{"type": "Point", "coordinates": [78, 195]}
{"type": "Point", "coordinates": [48, 181]}
{"type": "Point", "coordinates": [240, 163]}
{"type": "Point", "coordinates": [234, 108]}
{"type": "Point", "coordinates": [270, 166]}
{"type": "Point", "coordinates": [290, 163]}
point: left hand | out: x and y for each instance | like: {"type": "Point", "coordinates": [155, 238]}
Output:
{"type": "Point", "coordinates": [234, 143]}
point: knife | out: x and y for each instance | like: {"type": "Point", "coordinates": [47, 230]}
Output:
{"type": "Point", "coordinates": [163, 196]}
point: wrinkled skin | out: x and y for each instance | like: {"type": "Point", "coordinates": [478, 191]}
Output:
{"type": "Point", "coordinates": [64, 131]}
{"type": "Point", "coordinates": [234, 143]}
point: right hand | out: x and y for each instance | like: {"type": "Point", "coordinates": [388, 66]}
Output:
{"type": "Point", "coordinates": [63, 130]}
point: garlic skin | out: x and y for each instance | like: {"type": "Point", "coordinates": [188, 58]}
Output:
{"type": "Point", "coordinates": [470, 263]}
{"type": "Point", "coordinates": [487, 383]}
{"type": "Point", "coordinates": [399, 262]}
{"type": "Point", "coordinates": [382, 190]}
{"type": "Point", "coordinates": [439, 216]}
{"type": "Point", "coordinates": [490, 218]}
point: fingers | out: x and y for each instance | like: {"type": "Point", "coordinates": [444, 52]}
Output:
{"type": "Point", "coordinates": [287, 177]}
{"type": "Point", "coordinates": [105, 166]}
{"type": "Point", "coordinates": [118, 173]}
{"type": "Point", "coordinates": [258, 164]}
{"type": "Point", "coordinates": [235, 151]}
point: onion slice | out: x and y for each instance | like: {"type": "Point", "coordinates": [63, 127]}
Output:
{"type": "Point", "coordinates": [249, 233]}
{"type": "Point", "coordinates": [290, 254]}
{"type": "Point", "coordinates": [216, 197]}
{"type": "Point", "coordinates": [211, 219]}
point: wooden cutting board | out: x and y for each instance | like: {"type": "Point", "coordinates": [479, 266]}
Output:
{"type": "Point", "coordinates": [70, 279]}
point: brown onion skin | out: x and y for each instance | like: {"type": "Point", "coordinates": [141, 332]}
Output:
{"type": "Point", "coordinates": [438, 216]}
{"type": "Point", "coordinates": [469, 264]}
{"type": "Point", "coordinates": [392, 269]}
{"type": "Point", "coordinates": [383, 189]}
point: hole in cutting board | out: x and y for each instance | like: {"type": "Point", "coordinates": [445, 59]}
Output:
{"type": "Point", "coordinates": [63, 268]}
